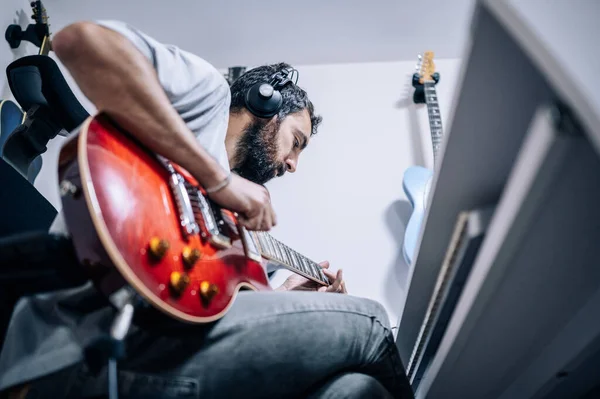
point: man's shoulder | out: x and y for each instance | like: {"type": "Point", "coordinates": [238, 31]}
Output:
{"type": "Point", "coordinates": [179, 70]}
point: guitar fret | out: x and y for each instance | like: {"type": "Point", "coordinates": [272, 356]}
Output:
{"type": "Point", "coordinates": [288, 257]}
{"type": "Point", "coordinates": [319, 270]}
{"type": "Point", "coordinates": [435, 120]}
{"type": "Point", "coordinates": [280, 256]}
{"type": "Point", "coordinates": [302, 264]}
{"type": "Point", "coordinates": [269, 242]}
{"type": "Point", "coordinates": [276, 248]}
{"type": "Point", "coordinates": [261, 243]}
{"type": "Point", "coordinates": [292, 259]}
{"type": "Point", "coordinates": [309, 266]}
{"type": "Point", "coordinates": [298, 263]}
{"type": "Point", "coordinates": [288, 252]}
{"type": "Point", "coordinates": [280, 252]}
{"type": "Point", "coordinates": [275, 253]}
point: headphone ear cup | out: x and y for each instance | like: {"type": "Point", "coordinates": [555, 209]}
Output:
{"type": "Point", "coordinates": [263, 101]}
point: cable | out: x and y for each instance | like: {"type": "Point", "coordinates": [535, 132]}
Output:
{"type": "Point", "coordinates": [113, 384]}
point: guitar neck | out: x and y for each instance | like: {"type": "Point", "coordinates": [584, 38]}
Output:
{"type": "Point", "coordinates": [435, 118]}
{"type": "Point", "coordinates": [278, 252]}
{"type": "Point", "coordinates": [46, 46]}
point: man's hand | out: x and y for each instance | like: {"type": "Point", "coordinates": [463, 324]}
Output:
{"type": "Point", "coordinates": [296, 282]}
{"type": "Point", "coordinates": [251, 201]}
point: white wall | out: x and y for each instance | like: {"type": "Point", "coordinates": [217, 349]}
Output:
{"type": "Point", "coordinates": [234, 32]}
{"type": "Point", "coordinates": [345, 203]}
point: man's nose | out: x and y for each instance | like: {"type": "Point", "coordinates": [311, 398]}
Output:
{"type": "Point", "coordinates": [290, 164]}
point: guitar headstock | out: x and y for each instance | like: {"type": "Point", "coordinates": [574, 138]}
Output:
{"type": "Point", "coordinates": [233, 73]}
{"type": "Point", "coordinates": [37, 33]}
{"type": "Point", "coordinates": [425, 72]}
{"type": "Point", "coordinates": [39, 16]}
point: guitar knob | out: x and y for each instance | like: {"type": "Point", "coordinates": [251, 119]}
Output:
{"type": "Point", "coordinates": [179, 282]}
{"type": "Point", "coordinates": [190, 256]}
{"type": "Point", "coordinates": [158, 247]}
{"type": "Point", "coordinates": [208, 291]}
{"type": "Point", "coordinates": [68, 188]}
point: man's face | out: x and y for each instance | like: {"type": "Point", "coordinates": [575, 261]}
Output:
{"type": "Point", "coordinates": [268, 149]}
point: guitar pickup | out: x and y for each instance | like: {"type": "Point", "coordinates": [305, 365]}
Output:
{"type": "Point", "coordinates": [184, 208]}
{"type": "Point", "coordinates": [209, 219]}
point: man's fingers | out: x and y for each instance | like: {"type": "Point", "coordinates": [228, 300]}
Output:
{"type": "Point", "coordinates": [273, 215]}
{"type": "Point", "coordinates": [254, 223]}
{"type": "Point", "coordinates": [330, 275]}
{"type": "Point", "coordinates": [335, 287]}
{"type": "Point", "coordinates": [324, 264]}
{"type": "Point", "coordinates": [266, 221]}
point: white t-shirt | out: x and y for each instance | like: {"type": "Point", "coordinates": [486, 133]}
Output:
{"type": "Point", "coordinates": [46, 333]}
{"type": "Point", "coordinates": [195, 88]}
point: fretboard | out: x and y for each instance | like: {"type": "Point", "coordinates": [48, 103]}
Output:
{"type": "Point", "coordinates": [279, 252]}
{"type": "Point", "coordinates": [435, 118]}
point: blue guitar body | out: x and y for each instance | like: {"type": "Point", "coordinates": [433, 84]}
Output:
{"type": "Point", "coordinates": [11, 117]}
{"type": "Point", "coordinates": [417, 179]}
{"type": "Point", "coordinates": [416, 184]}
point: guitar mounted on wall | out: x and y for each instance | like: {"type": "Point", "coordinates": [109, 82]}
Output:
{"type": "Point", "coordinates": [417, 179]}
{"type": "Point", "coordinates": [37, 33]}
{"type": "Point", "coordinates": [139, 221]}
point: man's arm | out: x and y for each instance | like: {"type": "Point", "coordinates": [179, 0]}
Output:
{"type": "Point", "coordinates": [118, 79]}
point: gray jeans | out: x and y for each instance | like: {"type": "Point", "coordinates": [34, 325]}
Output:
{"type": "Point", "coordinates": [269, 345]}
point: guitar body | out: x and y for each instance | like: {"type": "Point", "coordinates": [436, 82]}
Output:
{"type": "Point", "coordinates": [116, 200]}
{"type": "Point", "coordinates": [416, 184]}
{"type": "Point", "coordinates": [11, 118]}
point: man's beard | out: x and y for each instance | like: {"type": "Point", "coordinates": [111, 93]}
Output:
{"type": "Point", "coordinates": [256, 153]}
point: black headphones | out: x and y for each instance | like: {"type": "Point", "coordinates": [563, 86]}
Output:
{"type": "Point", "coordinates": [264, 99]}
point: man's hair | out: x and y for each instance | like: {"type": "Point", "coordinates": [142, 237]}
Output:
{"type": "Point", "coordinates": [294, 98]}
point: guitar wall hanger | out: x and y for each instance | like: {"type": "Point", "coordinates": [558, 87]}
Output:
{"type": "Point", "coordinates": [34, 33]}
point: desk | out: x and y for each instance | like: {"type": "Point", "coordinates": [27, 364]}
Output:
{"type": "Point", "coordinates": [527, 309]}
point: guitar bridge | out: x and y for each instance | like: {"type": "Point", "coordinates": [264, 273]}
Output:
{"type": "Point", "coordinates": [208, 218]}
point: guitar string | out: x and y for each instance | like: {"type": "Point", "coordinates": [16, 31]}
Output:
{"type": "Point", "coordinates": [313, 266]}
{"type": "Point", "coordinates": [436, 140]}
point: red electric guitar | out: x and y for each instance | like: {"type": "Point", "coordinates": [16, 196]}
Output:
{"type": "Point", "coordinates": [137, 219]}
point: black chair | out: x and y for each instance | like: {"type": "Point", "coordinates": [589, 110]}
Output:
{"type": "Point", "coordinates": [36, 80]}
{"type": "Point", "coordinates": [31, 259]}
{"type": "Point", "coordinates": [11, 117]}
{"type": "Point", "coordinates": [52, 109]}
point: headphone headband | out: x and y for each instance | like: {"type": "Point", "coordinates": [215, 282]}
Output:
{"type": "Point", "coordinates": [281, 78]}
